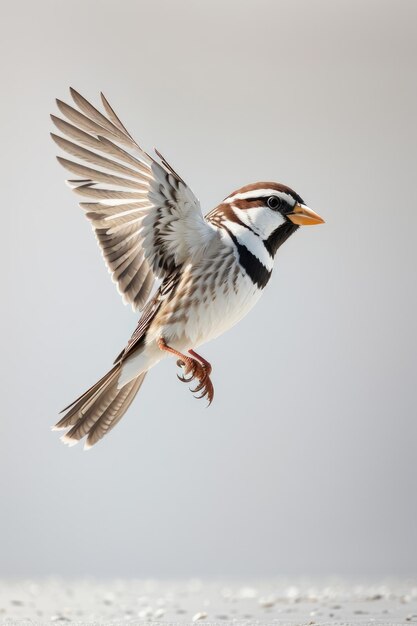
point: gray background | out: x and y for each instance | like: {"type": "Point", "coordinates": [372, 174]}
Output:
{"type": "Point", "coordinates": [306, 462]}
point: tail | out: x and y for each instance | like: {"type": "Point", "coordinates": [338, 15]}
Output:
{"type": "Point", "coordinates": [99, 409]}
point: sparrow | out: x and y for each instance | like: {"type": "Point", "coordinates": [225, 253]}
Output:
{"type": "Point", "coordinates": [150, 228]}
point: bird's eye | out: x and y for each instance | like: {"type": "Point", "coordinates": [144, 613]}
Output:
{"type": "Point", "coordinates": [274, 202]}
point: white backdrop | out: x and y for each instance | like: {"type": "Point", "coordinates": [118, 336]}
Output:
{"type": "Point", "coordinates": [306, 461]}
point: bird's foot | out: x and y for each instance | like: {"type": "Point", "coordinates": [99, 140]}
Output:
{"type": "Point", "coordinates": [205, 385]}
{"type": "Point", "coordinates": [194, 367]}
{"type": "Point", "coordinates": [195, 370]}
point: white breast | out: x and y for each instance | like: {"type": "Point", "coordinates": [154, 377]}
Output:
{"type": "Point", "coordinates": [212, 296]}
{"type": "Point", "coordinates": [224, 312]}
{"type": "Point", "coordinates": [219, 303]}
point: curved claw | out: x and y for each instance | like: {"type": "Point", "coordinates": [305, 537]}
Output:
{"type": "Point", "coordinates": [209, 395]}
{"type": "Point", "coordinates": [199, 387]}
{"type": "Point", "coordinates": [206, 387]}
{"type": "Point", "coordinates": [189, 368]}
{"type": "Point", "coordinates": [184, 379]}
{"type": "Point", "coordinates": [204, 379]}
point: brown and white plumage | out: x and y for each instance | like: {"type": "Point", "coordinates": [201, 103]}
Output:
{"type": "Point", "coordinates": [149, 226]}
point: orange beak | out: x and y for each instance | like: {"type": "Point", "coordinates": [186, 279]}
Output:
{"type": "Point", "coordinates": [303, 216]}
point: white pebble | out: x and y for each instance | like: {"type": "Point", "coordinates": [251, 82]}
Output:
{"type": "Point", "coordinates": [146, 612]}
{"type": "Point", "coordinates": [293, 592]}
{"type": "Point", "coordinates": [199, 616]}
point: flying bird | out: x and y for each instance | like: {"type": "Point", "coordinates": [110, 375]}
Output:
{"type": "Point", "coordinates": [149, 226]}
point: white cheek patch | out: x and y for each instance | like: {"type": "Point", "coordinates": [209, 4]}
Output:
{"type": "Point", "coordinates": [262, 220]}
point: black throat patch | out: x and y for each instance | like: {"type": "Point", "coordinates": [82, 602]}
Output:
{"type": "Point", "coordinates": [279, 236]}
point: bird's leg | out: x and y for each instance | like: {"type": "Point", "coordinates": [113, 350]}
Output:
{"type": "Point", "coordinates": [196, 367]}
{"type": "Point", "coordinates": [189, 364]}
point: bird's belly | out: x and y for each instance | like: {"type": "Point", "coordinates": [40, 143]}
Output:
{"type": "Point", "coordinates": [215, 313]}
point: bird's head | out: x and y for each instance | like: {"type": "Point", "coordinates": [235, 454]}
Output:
{"type": "Point", "coordinates": [271, 210]}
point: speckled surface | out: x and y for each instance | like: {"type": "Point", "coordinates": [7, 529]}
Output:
{"type": "Point", "coordinates": [268, 602]}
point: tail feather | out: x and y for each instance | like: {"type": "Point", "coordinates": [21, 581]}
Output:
{"type": "Point", "coordinates": [99, 409]}
{"type": "Point", "coordinates": [115, 411]}
{"type": "Point", "coordinates": [80, 404]}
{"type": "Point", "coordinates": [92, 409]}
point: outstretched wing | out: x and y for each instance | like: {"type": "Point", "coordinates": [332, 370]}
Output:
{"type": "Point", "coordinates": [147, 221]}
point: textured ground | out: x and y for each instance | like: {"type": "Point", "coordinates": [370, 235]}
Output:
{"type": "Point", "coordinates": [272, 602]}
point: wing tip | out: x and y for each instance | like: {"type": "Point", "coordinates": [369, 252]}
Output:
{"type": "Point", "coordinates": [75, 94]}
{"type": "Point", "coordinates": [76, 184]}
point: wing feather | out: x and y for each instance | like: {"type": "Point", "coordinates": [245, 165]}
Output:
{"type": "Point", "coordinates": [94, 114]}
{"type": "Point", "coordinates": [82, 121]}
{"type": "Point", "coordinates": [112, 115]}
{"type": "Point", "coordinates": [96, 159]}
{"type": "Point", "coordinates": [101, 177]}
{"type": "Point", "coordinates": [147, 221]}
